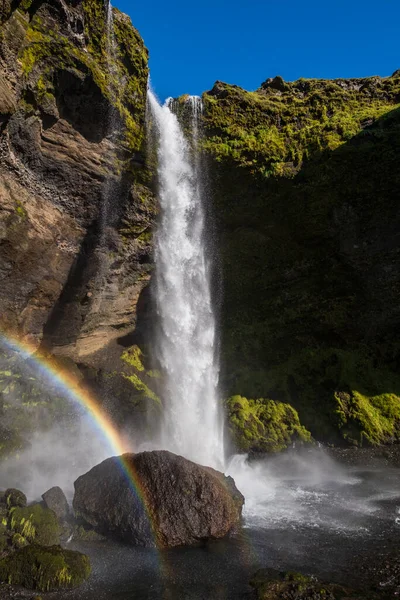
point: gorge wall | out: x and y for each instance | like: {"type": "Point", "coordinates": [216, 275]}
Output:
{"type": "Point", "coordinates": [306, 193]}
{"type": "Point", "coordinates": [76, 211]}
{"type": "Point", "coordinates": [304, 181]}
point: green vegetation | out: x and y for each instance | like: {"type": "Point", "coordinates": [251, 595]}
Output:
{"type": "Point", "coordinates": [133, 356]}
{"type": "Point", "coordinates": [45, 569]}
{"type": "Point", "coordinates": [337, 393]}
{"type": "Point", "coordinates": [141, 387]}
{"type": "Point", "coordinates": [308, 250]}
{"type": "Point", "coordinates": [271, 585]}
{"type": "Point", "coordinates": [121, 78]}
{"type": "Point", "coordinates": [275, 129]}
{"type": "Point", "coordinates": [264, 425]}
{"type": "Point", "coordinates": [14, 498]}
{"type": "Point", "coordinates": [36, 524]}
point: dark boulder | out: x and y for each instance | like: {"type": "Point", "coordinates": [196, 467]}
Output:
{"type": "Point", "coordinates": [172, 501]}
{"type": "Point", "coordinates": [56, 501]}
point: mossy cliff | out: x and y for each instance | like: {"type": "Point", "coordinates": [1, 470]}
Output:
{"type": "Point", "coordinates": [76, 210]}
{"type": "Point", "coordinates": [306, 189]}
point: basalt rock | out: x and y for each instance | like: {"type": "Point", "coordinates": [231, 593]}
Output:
{"type": "Point", "coordinates": [76, 210]}
{"type": "Point", "coordinates": [56, 501]}
{"type": "Point", "coordinates": [165, 500]}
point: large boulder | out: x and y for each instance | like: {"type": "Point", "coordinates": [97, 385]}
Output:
{"type": "Point", "coordinates": [165, 500]}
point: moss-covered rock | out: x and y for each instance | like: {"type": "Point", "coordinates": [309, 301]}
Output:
{"type": "Point", "coordinates": [264, 425]}
{"type": "Point", "coordinates": [36, 524]}
{"type": "Point", "coordinates": [272, 585]}
{"type": "Point", "coordinates": [338, 395]}
{"type": "Point", "coordinates": [14, 498]}
{"type": "Point", "coordinates": [45, 569]}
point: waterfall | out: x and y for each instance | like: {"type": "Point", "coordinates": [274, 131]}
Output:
{"type": "Point", "coordinates": [186, 338]}
{"type": "Point", "coordinates": [111, 47]}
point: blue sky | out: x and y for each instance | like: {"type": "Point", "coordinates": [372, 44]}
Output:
{"type": "Point", "coordinates": [192, 44]}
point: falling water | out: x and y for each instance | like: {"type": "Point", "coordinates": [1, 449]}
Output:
{"type": "Point", "coordinates": [186, 341]}
{"type": "Point", "coordinates": [111, 47]}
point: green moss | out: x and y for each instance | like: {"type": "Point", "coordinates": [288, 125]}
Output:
{"type": "Point", "coordinates": [36, 524]}
{"type": "Point", "coordinates": [272, 131]}
{"type": "Point", "coordinates": [141, 387]}
{"type": "Point", "coordinates": [338, 395]}
{"type": "Point", "coordinates": [133, 357]}
{"type": "Point", "coordinates": [87, 535]}
{"type": "Point", "coordinates": [45, 569]}
{"type": "Point", "coordinates": [368, 420]}
{"type": "Point", "coordinates": [14, 498]}
{"type": "Point", "coordinates": [19, 541]}
{"type": "Point", "coordinates": [264, 425]}
{"type": "Point", "coordinates": [122, 77]}
{"type": "Point", "coordinates": [25, 4]}
{"type": "Point", "coordinates": [153, 374]}
{"type": "Point", "coordinates": [272, 585]}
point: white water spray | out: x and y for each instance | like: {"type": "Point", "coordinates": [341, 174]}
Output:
{"type": "Point", "coordinates": [186, 342]}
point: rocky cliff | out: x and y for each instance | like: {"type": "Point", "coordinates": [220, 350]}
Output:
{"type": "Point", "coordinates": [304, 181]}
{"type": "Point", "coordinates": [76, 212]}
{"type": "Point", "coordinates": [306, 190]}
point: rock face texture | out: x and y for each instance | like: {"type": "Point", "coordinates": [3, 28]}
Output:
{"type": "Point", "coordinates": [306, 190]}
{"type": "Point", "coordinates": [169, 501]}
{"type": "Point", "coordinates": [73, 203]}
{"type": "Point", "coordinates": [76, 210]}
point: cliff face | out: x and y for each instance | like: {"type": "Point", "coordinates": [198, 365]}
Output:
{"type": "Point", "coordinates": [76, 211]}
{"type": "Point", "coordinates": [304, 181]}
{"type": "Point", "coordinates": [306, 186]}
{"type": "Point", "coordinates": [72, 203]}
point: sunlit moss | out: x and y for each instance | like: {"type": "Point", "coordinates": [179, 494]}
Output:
{"type": "Point", "coordinates": [264, 425]}
{"type": "Point", "coordinates": [45, 569]}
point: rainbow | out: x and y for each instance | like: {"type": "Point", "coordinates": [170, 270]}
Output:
{"type": "Point", "coordinates": [74, 391]}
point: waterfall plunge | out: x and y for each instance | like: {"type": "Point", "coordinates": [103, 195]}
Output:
{"type": "Point", "coordinates": [186, 340]}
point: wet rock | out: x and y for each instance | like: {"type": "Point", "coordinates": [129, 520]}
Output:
{"type": "Point", "coordinates": [56, 501]}
{"type": "Point", "coordinates": [165, 500]}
